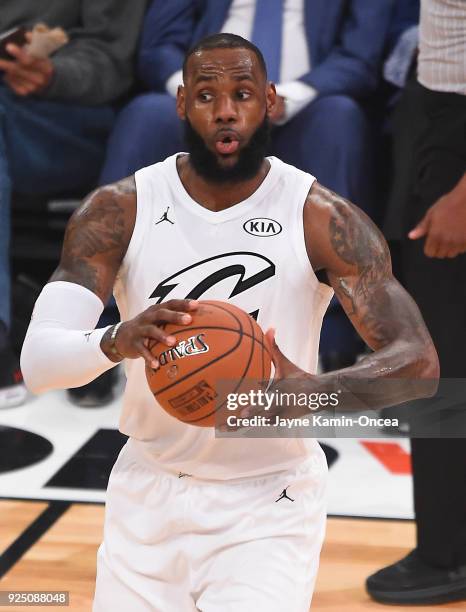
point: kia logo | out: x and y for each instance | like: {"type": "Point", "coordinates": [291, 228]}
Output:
{"type": "Point", "coordinates": [262, 226]}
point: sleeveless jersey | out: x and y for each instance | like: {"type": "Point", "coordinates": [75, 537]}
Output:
{"type": "Point", "coordinates": [253, 255]}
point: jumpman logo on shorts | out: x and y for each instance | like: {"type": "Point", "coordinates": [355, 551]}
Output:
{"type": "Point", "coordinates": [164, 217]}
{"type": "Point", "coordinates": [182, 474]}
{"type": "Point", "coordinates": [284, 496]}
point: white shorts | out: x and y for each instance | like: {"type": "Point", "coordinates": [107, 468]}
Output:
{"type": "Point", "coordinates": [176, 544]}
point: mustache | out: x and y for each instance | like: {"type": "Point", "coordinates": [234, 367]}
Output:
{"type": "Point", "coordinates": [250, 157]}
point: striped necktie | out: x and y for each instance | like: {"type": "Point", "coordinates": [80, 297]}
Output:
{"type": "Point", "coordinates": [267, 34]}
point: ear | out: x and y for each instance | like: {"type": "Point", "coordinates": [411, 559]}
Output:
{"type": "Point", "coordinates": [271, 97]}
{"type": "Point", "coordinates": [181, 103]}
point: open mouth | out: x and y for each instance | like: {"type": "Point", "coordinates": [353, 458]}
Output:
{"type": "Point", "coordinates": [227, 144]}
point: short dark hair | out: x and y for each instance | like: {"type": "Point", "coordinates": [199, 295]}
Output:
{"type": "Point", "coordinates": [225, 40]}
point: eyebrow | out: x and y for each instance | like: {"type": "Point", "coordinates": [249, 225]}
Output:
{"type": "Point", "coordinates": [204, 77]}
{"type": "Point", "coordinates": [244, 76]}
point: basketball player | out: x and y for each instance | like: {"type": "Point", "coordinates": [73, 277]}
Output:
{"type": "Point", "coordinates": [194, 522]}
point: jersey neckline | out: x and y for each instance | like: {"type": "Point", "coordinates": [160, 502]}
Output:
{"type": "Point", "coordinates": [237, 210]}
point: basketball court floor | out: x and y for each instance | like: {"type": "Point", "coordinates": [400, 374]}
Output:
{"type": "Point", "coordinates": [55, 460]}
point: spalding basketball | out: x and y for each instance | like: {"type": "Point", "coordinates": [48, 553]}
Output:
{"type": "Point", "coordinates": [222, 343]}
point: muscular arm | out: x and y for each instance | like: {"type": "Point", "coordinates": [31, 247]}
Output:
{"type": "Point", "coordinates": [63, 348]}
{"type": "Point", "coordinates": [356, 259]}
{"type": "Point", "coordinates": [97, 237]}
{"type": "Point", "coordinates": [96, 240]}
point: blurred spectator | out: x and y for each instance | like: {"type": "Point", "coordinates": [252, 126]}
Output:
{"type": "Point", "coordinates": [55, 116]}
{"type": "Point", "coordinates": [427, 212]}
{"type": "Point", "coordinates": [324, 56]}
{"type": "Point", "coordinates": [402, 42]}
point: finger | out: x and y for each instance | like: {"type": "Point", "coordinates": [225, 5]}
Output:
{"type": "Point", "coordinates": [156, 333]}
{"type": "Point", "coordinates": [151, 361]}
{"type": "Point", "coordinates": [31, 75]}
{"type": "Point", "coordinates": [34, 79]}
{"type": "Point", "coordinates": [177, 305]}
{"type": "Point", "coordinates": [455, 249]}
{"type": "Point", "coordinates": [183, 305]}
{"type": "Point", "coordinates": [19, 86]}
{"type": "Point", "coordinates": [281, 363]}
{"type": "Point", "coordinates": [442, 250]}
{"type": "Point", "coordinates": [8, 66]}
{"type": "Point", "coordinates": [18, 78]}
{"type": "Point", "coordinates": [431, 245]}
{"type": "Point", "coordinates": [418, 232]}
{"type": "Point", "coordinates": [421, 228]}
{"type": "Point", "coordinates": [20, 54]}
{"type": "Point", "coordinates": [163, 315]}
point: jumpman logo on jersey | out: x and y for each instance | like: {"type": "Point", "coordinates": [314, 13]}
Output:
{"type": "Point", "coordinates": [164, 217]}
{"type": "Point", "coordinates": [88, 335]}
{"type": "Point", "coordinates": [284, 496]}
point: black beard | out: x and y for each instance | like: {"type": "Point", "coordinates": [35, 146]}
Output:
{"type": "Point", "coordinates": [250, 158]}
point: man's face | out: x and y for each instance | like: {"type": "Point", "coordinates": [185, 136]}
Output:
{"type": "Point", "coordinates": [225, 102]}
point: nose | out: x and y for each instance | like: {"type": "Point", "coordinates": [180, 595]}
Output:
{"type": "Point", "coordinates": [225, 109]}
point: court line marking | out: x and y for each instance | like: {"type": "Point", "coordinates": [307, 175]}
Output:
{"type": "Point", "coordinates": [31, 535]}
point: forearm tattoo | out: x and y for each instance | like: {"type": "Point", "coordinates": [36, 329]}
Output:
{"type": "Point", "coordinates": [387, 318]}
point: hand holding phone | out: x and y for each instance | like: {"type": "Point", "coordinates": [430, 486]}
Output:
{"type": "Point", "coordinates": [16, 36]}
{"type": "Point", "coordinates": [23, 73]}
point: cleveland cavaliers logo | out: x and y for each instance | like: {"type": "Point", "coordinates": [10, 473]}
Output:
{"type": "Point", "coordinates": [229, 275]}
{"type": "Point", "coordinates": [185, 348]}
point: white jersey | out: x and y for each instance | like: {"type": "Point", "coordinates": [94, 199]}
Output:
{"type": "Point", "coordinates": [253, 255]}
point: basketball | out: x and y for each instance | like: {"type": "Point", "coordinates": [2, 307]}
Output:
{"type": "Point", "coordinates": [222, 343]}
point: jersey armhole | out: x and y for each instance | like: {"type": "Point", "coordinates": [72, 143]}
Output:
{"type": "Point", "coordinates": [143, 193]}
{"type": "Point", "coordinates": [299, 242]}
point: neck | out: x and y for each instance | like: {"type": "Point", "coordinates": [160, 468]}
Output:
{"type": "Point", "coordinates": [215, 196]}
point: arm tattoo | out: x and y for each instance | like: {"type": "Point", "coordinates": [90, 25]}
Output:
{"type": "Point", "coordinates": [95, 230]}
{"type": "Point", "coordinates": [97, 233]}
{"type": "Point", "coordinates": [357, 261]}
{"type": "Point", "coordinates": [360, 245]}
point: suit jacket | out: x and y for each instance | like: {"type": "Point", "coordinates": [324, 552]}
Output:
{"type": "Point", "coordinates": [346, 39]}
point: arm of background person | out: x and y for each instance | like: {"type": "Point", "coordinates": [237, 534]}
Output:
{"type": "Point", "coordinates": [444, 225]}
{"type": "Point", "coordinates": [97, 65]}
{"type": "Point", "coordinates": [353, 67]}
{"type": "Point", "coordinates": [166, 36]}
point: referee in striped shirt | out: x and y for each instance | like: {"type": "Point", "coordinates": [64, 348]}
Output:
{"type": "Point", "coordinates": [428, 206]}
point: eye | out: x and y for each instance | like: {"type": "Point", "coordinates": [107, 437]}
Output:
{"type": "Point", "coordinates": [205, 97]}
{"type": "Point", "coordinates": [244, 95]}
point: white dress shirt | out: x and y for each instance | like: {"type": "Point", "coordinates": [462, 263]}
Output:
{"type": "Point", "coordinates": [295, 57]}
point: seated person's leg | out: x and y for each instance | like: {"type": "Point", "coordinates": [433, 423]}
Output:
{"type": "Point", "coordinates": [12, 392]}
{"type": "Point", "coordinates": [47, 147]}
{"type": "Point", "coordinates": [147, 131]}
{"type": "Point", "coordinates": [332, 139]}
{"type": "Point", "coordinates": [52, 146]}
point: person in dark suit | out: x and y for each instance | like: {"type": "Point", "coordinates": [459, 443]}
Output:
{"type": "Point", "coordinates": [324, 56]}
